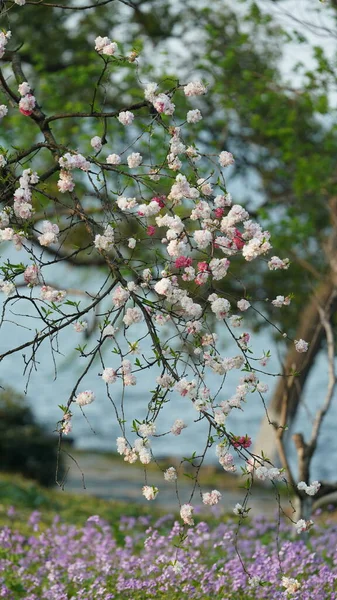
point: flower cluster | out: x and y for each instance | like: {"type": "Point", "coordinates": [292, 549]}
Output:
{"type": "Point", "coordinates": [22, 205]}
{"type": "Point", "coordinates": [106, 240]}
{"type": "Point", "coordinates": [126, 117]}
{"type": "Point", "coordinates": [49, 234]}
{"type": "Point", "coordinates": [311, 489]}
{"type": "Point", "coordinates": [103, 45]}
{"type": "Point", "coordinates": [137, 555]}
{"type": "Point", "coordinates": [161, 102]}
{"type": "Point", "coordinates": [49, 294]}
{"type": "Point", "coordinates": [32, 275]}
{"type": "Point", "coordinates": [84, 398]}
{"type": "Point", "coordinates": [27, 102]}
{"type": "Point", "coordinates": [4, 38]}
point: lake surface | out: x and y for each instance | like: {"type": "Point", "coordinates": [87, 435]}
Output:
{"type": "Point", "coordinates": [100, 429]}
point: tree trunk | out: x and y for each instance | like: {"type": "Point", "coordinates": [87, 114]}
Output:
{"type": "Point", "coordinates": [289, 389]}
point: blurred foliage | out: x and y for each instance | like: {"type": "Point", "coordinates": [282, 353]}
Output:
{"type": "Point", "coordinates": [24, 445]}
{"type": "Point", "coordinates": [283, 136]}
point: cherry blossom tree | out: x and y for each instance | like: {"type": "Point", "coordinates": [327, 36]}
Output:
{"type": "Point", "coordinates": [165, 231]}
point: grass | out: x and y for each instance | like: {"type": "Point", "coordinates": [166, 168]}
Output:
{"type": "Point", "coordinates": [25, 496]}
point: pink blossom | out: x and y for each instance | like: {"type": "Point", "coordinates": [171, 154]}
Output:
{"type": "Point", "coordinates": [66, 423]}
{"type": "Point", "coordinates": [243, 441]}
{"type": "Point", "coordinates": [151, 230]}
{"type": "Point", "coordinates": [110, 49]}
{"type": "Point", "coordinates": [31, 275]}
{"type": "Point", "coordinates": [202, 238]}
{"type": "Point", "coordinates": [178, 426]}
{"type": "Point", "coordinates": [201, 278]}
{"type": "Point", "coordinates": [219, 212]}
{"type": "Point", "coordinates": [165, 381]}
{"type": "Point", "coordinates": [100, 42]}
{"type": "Point", "coordinates": [129, 379]}
{"type": "Point", "coordinates": [238, 241]}
{"type": "Point", "coordinates": [162, 103]}
{"type": "Point", "coordinates": [150, 91]}
{"type": "Point", "coordinates": [203, 266]}
{"type": "Point", "coordinates": [160, 200]}
{"type": "Point", "coordinates": [182, 261]}
{"type": "Point", "coordinates": [27, 105]}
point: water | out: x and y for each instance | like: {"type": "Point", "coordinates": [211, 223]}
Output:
{"type": "Point", "coordinates": [100, 429]}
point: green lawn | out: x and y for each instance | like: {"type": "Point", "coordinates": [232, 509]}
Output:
{"type": "Point", "coordinates": [25, 496]}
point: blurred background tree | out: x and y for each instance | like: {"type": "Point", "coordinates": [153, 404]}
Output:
{"type": "Point", "coordinates": [25, 448]}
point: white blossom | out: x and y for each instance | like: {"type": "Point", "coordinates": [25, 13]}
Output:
{"type": "Point", "coordinates": [96, 143]}
{"type": "Point", "coordinates": [85, 398]}
{"type": "Point", "coordinates": [194, 88]}
{"type": "Point", "coordinates": [7, 287]}
{"type": "Point", "coordinates": [226, 159]}
{"type": "Point", "coordinates": [193, 116]}
{"type": "Point", "coordinates": [3, 108]}
{"type": "Point", "coordinates": [170, 474]}
{"type": "Point", "coordinates": [126, 117]}
{"type": "Point", "coordinates": [113, 159]}
{"type": "Point", "coordinates": [109, 375]}
{"type": "Point", "coordinates": [186, 512]}
{"type": "Point", "coordinates": [134, 160]}
{"type": "Point", "coordinates": [301, 345]}
{"type": "Point", "coordinates": [150, 492]}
